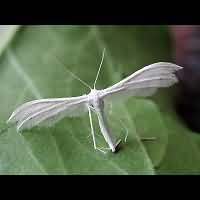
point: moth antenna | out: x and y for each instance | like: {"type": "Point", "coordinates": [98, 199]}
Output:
{"type": "Point", "coordinates": [73, 75]}
{"type": "Point", "coordinates": [102, 59]}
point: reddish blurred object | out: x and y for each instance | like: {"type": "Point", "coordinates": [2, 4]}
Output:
{"type": "Point", "coordinates": [187, 54]}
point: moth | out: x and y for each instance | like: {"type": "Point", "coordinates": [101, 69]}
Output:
{"type": "Point", "coordinates": [142, 83]}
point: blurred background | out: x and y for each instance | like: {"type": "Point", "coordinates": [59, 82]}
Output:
{"type": "Point", "coordinates": [33, 61]}
{"type": "Point", "coordinates": [186, 48]}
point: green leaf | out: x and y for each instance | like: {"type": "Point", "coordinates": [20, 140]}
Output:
{"type": "Point", "coordinates": [182, 154]}
{"type": "Point", "coordinates": [149, 124]}
{"type": "Point", "coordinates": [29, 70]}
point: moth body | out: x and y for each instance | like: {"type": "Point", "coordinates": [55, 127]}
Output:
{"type": "Point", "coordinates": [94, 99]}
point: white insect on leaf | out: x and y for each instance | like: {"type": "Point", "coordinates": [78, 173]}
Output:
{"type": "Point", "coordinates": [143, 82]}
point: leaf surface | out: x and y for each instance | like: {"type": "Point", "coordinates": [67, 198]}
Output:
{"type": "Point", "coordinates": [32, 68]}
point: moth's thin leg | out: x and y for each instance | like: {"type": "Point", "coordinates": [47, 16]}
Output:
{"type": "Point", "coordinates": [102, 151]}
{"type": "Point", "coordinates": [127, 133]}
{"type": "Point", "coordinates": [92, 131]}
{"type": "Point", "coordinates": [91, 108]}
{"type": "Point", "coordinates": [105, 148]}
{"type": "Point", "coordinates": [92, 128]}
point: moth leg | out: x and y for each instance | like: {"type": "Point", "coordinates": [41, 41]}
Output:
{"type": "Point", "coordinates": [90, 107]}
{"type": "Point", "coordinates": [105, 148]}
{"type": "Point", "coordinates": [127, 133]}
{"type": "Point", "coordinates": [92, 127]}
{"type": "Point", "coordinates": [108, 148]}
{"type": "Point", "coordinates": [92, 132]}
{"type": "Point", "coordinates": [102, 151]}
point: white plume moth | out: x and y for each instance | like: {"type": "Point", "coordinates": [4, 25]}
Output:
{"type": "Point", "coordinates": [143, 82]}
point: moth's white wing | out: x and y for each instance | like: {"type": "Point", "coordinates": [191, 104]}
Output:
{"type": "Point", "coordinates": [46, 112]}
{"type": "Point", "coordinates": [143, 82]}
